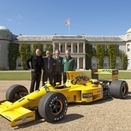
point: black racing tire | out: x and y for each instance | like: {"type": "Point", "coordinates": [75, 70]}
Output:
{"type": "Point", "coordinates": [15, 92]}
{"type": "Point", "coordinates": [53, 106]}
{"type": "Point", "coordinates": [119, 89]}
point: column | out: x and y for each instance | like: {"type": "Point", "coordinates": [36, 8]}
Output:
{"type": "Point", "coordinates": [78, 63]}
{"type": "Point", "coordinates": [84, 63]}
{"type": "Point", "coordinates": [83, 47]}
{"type": "Point", "coordinates": [77, 47]}
{"type": "Point", "coordinates": [53, 47]}
{"type": "Point", "coordinates": [60, 47]}
{"type": "Point", "coordinates": [71, 47]}
{"type": "Point", "coordinates": [65, 46]}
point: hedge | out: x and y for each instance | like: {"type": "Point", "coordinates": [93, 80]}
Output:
{"type": "Point", "coordinates": [99, 52]}
{"type": "Point", "coordinates": [25, 52]}
{"type": "Point", "coordinates": [100, 49]}
{"type": "Point", "coordinates": [13, 53]}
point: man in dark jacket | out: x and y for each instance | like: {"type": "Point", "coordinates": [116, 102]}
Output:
{"type": "Point", "coordinates": [59, 67]}
{"type": "Point", "coordinates": [68, 64]}
{"type": "Point", "coordinates": [35, 64]}
{"type": "Point", "coordinates": [49, 68]}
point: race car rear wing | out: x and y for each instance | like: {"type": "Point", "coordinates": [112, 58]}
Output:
{"type": "Point", "coordinates": [113, 72]}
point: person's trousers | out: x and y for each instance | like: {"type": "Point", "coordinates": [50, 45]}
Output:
{"type": "Point", "coordinates": [64, 77]}
{"type": "Point", "coordinates": [57, 78]}
{"type": "Point", "coordinates": [35, 81]}
{"type": "Point", "coordinates": [47, 76]}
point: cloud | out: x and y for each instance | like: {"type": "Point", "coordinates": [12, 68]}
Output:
{"type": "Point", "coordinates": [9, 19]}
{"type": "Point", "coordinates": [18, 16]}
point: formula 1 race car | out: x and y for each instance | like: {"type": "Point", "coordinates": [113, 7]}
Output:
{"type": "Point", "coordinates": [52, 102]}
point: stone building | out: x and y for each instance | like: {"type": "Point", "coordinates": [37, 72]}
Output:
{"type": "Point", "coordinates": [76, 43]}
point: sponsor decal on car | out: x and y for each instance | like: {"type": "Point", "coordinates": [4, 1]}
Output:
{"type": "Point", "coordinates": [78, 79]}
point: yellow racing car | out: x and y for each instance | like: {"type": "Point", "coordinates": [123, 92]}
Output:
{"type": "Point", "coordinates": [52, 102]}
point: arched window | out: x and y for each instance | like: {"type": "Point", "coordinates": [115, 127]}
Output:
{"type": "Point", "coordinates": [118, 62]}
{"type": "Point", "coordinates": [106, 62]}
{"type": "Point", "coordinates": [18, 63]}
{"type": "Point", "coordinates": [94, 62]}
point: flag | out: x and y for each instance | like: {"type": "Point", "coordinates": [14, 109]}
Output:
{"type": "Point", "coordinates": [67, 22]}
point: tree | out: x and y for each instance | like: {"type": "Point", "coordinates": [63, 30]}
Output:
{"type": "Point", "coordinates": [49, 47]}
{"type": "Point", "coordinates": [37, 46]}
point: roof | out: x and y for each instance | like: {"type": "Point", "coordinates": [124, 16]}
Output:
{"type": "Point", "coordinates": [3, 28]}
{"type": "Point", "coordinates": [104, 38]}
{"type": "Point", "coordinates": [128, 31]}
{"type": "Point", "coordinates": [73, 37]}
{"type": "Point", "coordinates": [34, 38]}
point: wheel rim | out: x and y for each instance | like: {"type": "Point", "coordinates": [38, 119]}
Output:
{"type": "Point", "coordinates": [19, 95]}
{"type": "Point", "coordinates": [57, 107]}
{"type": "Point", "coordinates": [124, 90]}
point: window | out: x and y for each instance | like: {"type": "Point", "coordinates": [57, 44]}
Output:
{"type": "Point", "coordinates": [117, 48]}
{"type": "Point", "coordinates": [105, 47]}
{"type": "Point", "coordinates": [69, 47]}
{"type": "Point", "coordinates": [128, 47]}
{"type": "Point", "coordinates": [93, 47]}
{"type": "Point", "coordinates": [75, 61]}
{"type": "Point", "coordinates": [61, 48]}
{"type": "Point", "coordinates": [19, 64]}
{"type": "Point", "coordinates": [106, 62]}
{"type": "Point", "coordinates": [94, 62]}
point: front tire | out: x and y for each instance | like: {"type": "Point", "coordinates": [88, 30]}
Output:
{"type": "Point", "coordinates": [119, 89]}
{"type": "Point", "coordinates": [15, 92]}
{"type": "Point", "coordinates": [53, 106]}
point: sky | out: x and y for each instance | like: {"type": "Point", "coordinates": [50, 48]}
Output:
{"type": "Point", "coordinates": [47, 17]}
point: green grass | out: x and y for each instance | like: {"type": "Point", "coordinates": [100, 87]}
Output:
{"type": "Point", "coordinates": [122, 75]}
{"type": "Point", "coordinates": [25, 75]}
{"type": "Point", "coordinates": [15, 75]}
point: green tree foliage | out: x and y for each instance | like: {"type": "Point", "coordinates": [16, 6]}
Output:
{"type": "Point", "coordinates": [88, 50]}
{"type": "Point", "coordinates": [100, 53]}
{"type": "Point", "coordinates": [112, 53]}
{"type": "Point", "coordinates": [49, 47]}
{"type": "Point", "coordinates": [124, 60]}
{"type": "Point", "coordinates": [12, 55]}
{"type": "Point", "coordinates": [25, 52]}
{"type": "Point", "coordinates": [37, 46]}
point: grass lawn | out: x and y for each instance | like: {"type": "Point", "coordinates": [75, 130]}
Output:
{"type": "Point", "coordinates": [15, 75]}
{"type": "Point", "coordinates": [25, 75]}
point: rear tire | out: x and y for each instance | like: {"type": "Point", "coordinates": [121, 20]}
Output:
{"type": "Point", "coordinates": [15, 92]}
{"type": "Point", "coordinates": [53, 106]}
{"type": "Point", "coordinates": [119, 89]}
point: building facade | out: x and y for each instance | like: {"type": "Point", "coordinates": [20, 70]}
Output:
{"type": "Point", "coordinates": [76, 43]}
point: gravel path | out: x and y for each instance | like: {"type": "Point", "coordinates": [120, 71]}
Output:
{"type": "Point", "coordinates": [109, 115]}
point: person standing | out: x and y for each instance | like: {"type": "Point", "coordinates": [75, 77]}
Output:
{"type": "Point", "coordinates": [59, 67]}
{"type": "Point", "coordinates": [35, 64]}
{"type": "Point", "coordinates": [68, 63]}
{"type": "Point", "coordinates": [49, 68]}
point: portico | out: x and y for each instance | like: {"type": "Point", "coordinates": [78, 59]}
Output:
{"type": "Point", "coordinates": [77, 49]}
